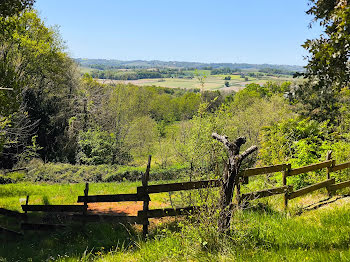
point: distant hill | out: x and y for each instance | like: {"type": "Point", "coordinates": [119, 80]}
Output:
{"type": "Point", "coordinates": [119, 64]}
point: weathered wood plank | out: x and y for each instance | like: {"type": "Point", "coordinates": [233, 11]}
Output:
{"type": "Point", "coordinates": [54, 208]}
{"type": "Point", "coordinates": [10, 232]}
{"type": "Point", "coordinates": [179, 186]}
{"type": "Point", "coordinates": [263, 170]}
{"type": "Point", "coordinates": [41, 227]}
{"type": "Point", "coordinates": [339, 186]}
{"type": "Point", "coordinates": [311, 188]}
{"type": "Point", "coordinates": [309, 168]}
{"type": "Point", "coordinates": [106, 218]}
{"type": "Point", "coordinates": [15, 170]}
{"type": "Point", "coordinates": [339, 167]}
{"type": "Point", "coordinates": [145, 178]}
{"type": "Point", "coordinates": [266, 193]}
{"type": "Point", "coordinates": [111, 198]}
{"type": "Point", "coordinates": [154, 213]}
{"type": "Point", "coordinates": [11, 213]}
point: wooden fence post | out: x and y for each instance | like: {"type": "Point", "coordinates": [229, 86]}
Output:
{"type": "Point", "coordinates": [86, 193]}
{"type": "Point", "coordinates": [146, 199]}
{"type": "Point", "coordinates": [285, 175]}
{"type": "Point", "coordinates": [25, 212]}
{"type": "Point", "coordinates": [329, 157]}
{"type": "Point", "coordinates": [238, 190]}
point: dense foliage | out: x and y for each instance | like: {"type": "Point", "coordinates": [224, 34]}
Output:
{"type": "Point", "coordinates": [327, 71]}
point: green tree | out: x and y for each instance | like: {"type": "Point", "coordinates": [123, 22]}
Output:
{"type": "Point", "coordinates": [13, 7]}
{"type": "Point", "coordinates": [33, 63]}
{"type": "Point", "coordinates": [327, 71]}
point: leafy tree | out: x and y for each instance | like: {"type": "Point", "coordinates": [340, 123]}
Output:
{"type": "Point", "coordinates": [43, 79]}
{"type": "Point", "coordinates": [13, 7]}
{"type": "Point", "coordinates": [328, 69]}
{"type": "Point", "coordinates": [299, 142]}
{"type": "Point", "coordinates": [98, 147]}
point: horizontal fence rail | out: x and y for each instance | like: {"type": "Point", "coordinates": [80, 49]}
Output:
{"type": "Point", "coordinates": [263, 170]}
{"type": "Point", "coordinates": [340, 167]}
{"type": "Point", "coordinates": [311, 188]}
{"type": "Point", "coordinates": [42, 227]}
{"type": "Point", "coordinates": [266, 193]}
{"type": "Point", "coordinates": [339, 186]}
{"type": "Point", "coordinates": [111, 198]}
{"type": "Point", "coordinates": [178, 186]}
{"type": "Point", "coordinates": [54, 208]}
{"type": "Point", "coordinates": [157, 213]}
{"type": "Point", "coordinates": [10, 232]}
{"type": "Point", "coordinates": [106, 218]}
{"type": "Point", "coordinates": [11, 213]}
{"type": "Point", "coordinates": [309, 168]}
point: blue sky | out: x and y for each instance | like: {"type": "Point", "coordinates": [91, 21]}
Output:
{"type": "Point", "coordinates": [255, 31]}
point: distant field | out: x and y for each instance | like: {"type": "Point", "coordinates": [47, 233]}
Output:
{"type": "Point", "coordinates": [85, 69]}
{"type": "Point", "coordinates": [212, 82]}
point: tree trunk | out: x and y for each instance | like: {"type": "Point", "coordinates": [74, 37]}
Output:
{"type": "Point", "coordinates": [230, 177]}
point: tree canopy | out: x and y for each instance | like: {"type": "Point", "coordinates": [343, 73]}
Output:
{"type": "Point", "coordinates": [328, 68]}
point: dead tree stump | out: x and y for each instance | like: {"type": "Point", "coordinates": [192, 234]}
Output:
{"type": "Point", "coordinates": [230, 177]}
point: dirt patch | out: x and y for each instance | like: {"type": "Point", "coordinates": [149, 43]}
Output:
{"type": "Point", "coordinates": [123, 208]}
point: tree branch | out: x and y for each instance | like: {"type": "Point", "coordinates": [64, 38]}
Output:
{"type": "Point", "coordinates": [233, 148]}
{"type": "Point", "coordinates": [249, 151]}
{"type": "Point", "coordinates": [223, 139]}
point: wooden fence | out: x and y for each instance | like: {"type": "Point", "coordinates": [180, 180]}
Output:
{"type": "Point", "coordinates": [80, 212]}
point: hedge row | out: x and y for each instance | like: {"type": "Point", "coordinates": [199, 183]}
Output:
{"type": "Point", "coordinates": [66, 173]}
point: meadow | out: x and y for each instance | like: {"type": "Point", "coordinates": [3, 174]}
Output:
{"type": "Point", "coordinates": [212, 82]}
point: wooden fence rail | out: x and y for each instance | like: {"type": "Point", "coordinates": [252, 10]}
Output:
{"type": "Point", "coordinates": [178, 186]}
{"type": "Point", "coordinates": [263, 170]}
{"type": "Point", "coordinates": [340, 167]}
{"type": "Point", "coordinates": [266, 193]}
{"type": "Point", "coordinates": [311, 188]}
{"type": "Point", "coordinates": [309, 168]}
{"type": "Point", "coordinates": [111, 198]}
{"type": "Point", "coordinates": [54, 208]}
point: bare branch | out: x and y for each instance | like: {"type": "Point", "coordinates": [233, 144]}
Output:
{"type": "Point", "coordinates": [249, 151]}
{"type": "Point", "coordinates": [233, 148]}
{"type": "Point", "coordinates": [223, 139]}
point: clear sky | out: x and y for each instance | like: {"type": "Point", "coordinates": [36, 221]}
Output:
{"type": "Point", "coordinates": [254, 31]}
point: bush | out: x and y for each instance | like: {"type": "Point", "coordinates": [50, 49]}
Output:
{"type": "Point", "coordinates": [67, 173]}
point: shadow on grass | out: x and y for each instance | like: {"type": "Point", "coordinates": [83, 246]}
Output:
{"type": "Point", "coordinates": [72, 241]}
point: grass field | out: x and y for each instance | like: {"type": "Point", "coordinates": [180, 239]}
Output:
{"type": "Point", "coordinates": [212, 82]}
{"type": "Point", "coordinates": [13, 195]}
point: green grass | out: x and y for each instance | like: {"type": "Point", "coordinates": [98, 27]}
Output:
{"type": "Point", "coordinates": [263, 232]}
{"type": "Point", "coordinates": [13, 195]}
{"type": "Point", "coordinates": [258, 235]}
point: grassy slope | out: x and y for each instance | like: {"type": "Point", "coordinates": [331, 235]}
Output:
{"type": "Point", "coordinates": [260, 234]}
{"type": "Point", "coordinates": [316, 236]}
